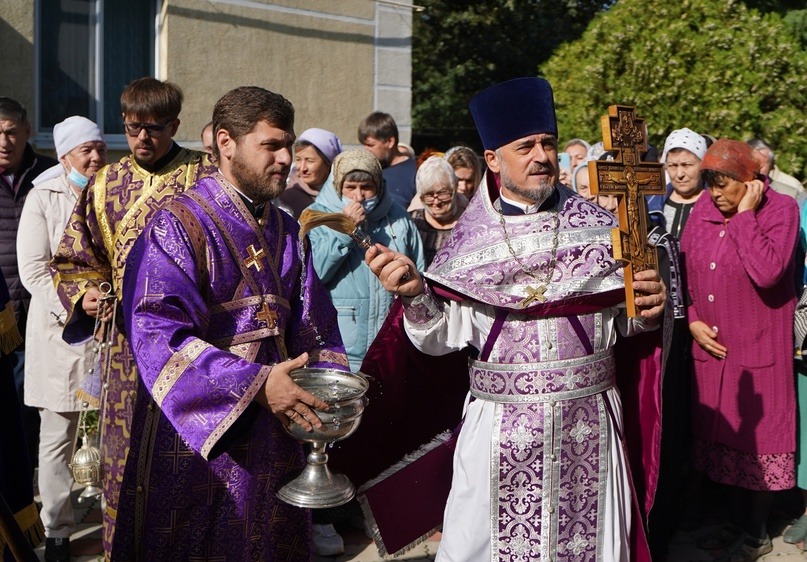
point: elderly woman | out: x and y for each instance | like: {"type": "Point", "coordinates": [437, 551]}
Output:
{"type": "Point", "coordinates": [442, 204]}
{"type": "Point", "coordinates": [738, 252]}
{"type": "Point", "coordinates": [356, 190]}
{"type": "Point", "coordinates": [314, 152]}
{"type": "Point", "coordinates": [581, 184]}
{"type": "Point", "coordinates": [361, 302]}
{"type": "Point", "coordinates": [467, 168]}
{"type": "Point", "coordinates": [54, 369]}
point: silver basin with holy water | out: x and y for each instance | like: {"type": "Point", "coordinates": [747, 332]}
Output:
{"type": "Point", "coordinates": [316, 486]}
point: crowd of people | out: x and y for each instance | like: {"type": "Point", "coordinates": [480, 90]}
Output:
{"type": "Point", "coordinates": [505, 257]}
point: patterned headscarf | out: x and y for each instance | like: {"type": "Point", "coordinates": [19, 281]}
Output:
{"type": "Point", "coordinates": [352, 160]}
{"type": "Point", "coordinates": [686, 139]}
{"type": "Point", "coordinates": [731, 158]}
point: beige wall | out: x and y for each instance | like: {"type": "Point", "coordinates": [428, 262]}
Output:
{"type": "Point", "coordinates": [17, 46]}
{"type": "Point", "coordinates": [336, 61]}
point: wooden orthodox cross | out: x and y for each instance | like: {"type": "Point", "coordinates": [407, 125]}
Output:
{"type": "Point", "coordinates": [630, 180]}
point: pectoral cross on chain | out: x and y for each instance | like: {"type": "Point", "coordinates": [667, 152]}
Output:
{"type": "Point", "coordinates": [630, 180]}
{"type": "Point", "coordinates": [254, 259]}
{"type": "Point", "coordinates": [533, 294]}
{"type": "Point", "coordinates": [266, 314]}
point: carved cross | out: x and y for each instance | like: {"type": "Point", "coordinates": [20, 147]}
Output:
{"type": "Point", "coordinates": [254, 259]}
{"type": "Point", "coordinates": [267, 315]}
{"type": "Point", "coordinates": [533, 294]}
{"type": "Point", "coordinates": [630, 180]}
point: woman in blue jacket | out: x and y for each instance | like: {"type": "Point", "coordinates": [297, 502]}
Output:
{"type": "Point", "coordinates": [357, 191]}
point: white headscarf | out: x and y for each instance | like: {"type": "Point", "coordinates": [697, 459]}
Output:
{"type": "Point", "coordinates": [686, 139]}
{"type": "Point", "coordinates": [67, 135]}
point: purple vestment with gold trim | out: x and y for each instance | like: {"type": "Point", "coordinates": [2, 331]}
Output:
{"type": "Point", "coordinates": [111, 213]}
{"type": "Point", "coordinates": [213, 298]}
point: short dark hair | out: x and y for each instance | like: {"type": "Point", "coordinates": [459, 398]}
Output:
{"type": "Point", "coordinates": [148, 96]}
{"type": "Point", "coordinates": [240, 109]}
{"type": "Point", "coordinates": [13, 110]}
{"type": "Point", "coordinates": [713, 177]}
{"type": "Point", "coordinates": [379, 125]}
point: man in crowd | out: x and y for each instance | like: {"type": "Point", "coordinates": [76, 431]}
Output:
{"type": "Point", "coordinates": [539, 473]}
{"type": "Point", "coordinates": [108, 218]}
{"type": "Point", "coordinates": [379, 134]}
{"type": "Point", "coordinates": [19, 165]}
{"type": "Point", "coordinates": [220, 307]}
{"type": "Point", "coordinates": [207, 138]}
{"type": "Point", "coordinates": [780, 181]}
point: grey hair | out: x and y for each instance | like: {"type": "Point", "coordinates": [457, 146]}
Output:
{"type": "Point", "coordinates": [578, 142]}
{"type": "Point", "coordinates": [762, 146]}
{"type": "Point", "coordinates": [12, 110]}
{"type": "Point", "coordinates": [435, 170]}
{"type": "Point", "coordinates": [580, 166]}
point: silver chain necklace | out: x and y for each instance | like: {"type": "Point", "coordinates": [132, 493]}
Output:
{"type": "Point", "coordinates": [533, 293]}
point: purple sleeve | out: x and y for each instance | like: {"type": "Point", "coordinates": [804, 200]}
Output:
{"type": "Point", "coordinates": [201, 389]}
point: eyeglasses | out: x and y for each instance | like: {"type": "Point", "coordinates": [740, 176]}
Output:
{"type": "Point", "coordinates": [442, 195]}
{"type": "Point", "coordinates": [152, 129]}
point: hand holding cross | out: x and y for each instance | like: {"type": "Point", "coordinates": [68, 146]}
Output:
{"type": "Point", "coordinates": [630, 180]}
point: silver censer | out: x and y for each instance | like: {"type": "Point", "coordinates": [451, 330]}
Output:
{"type": "Point", "coordinates": [86, 464]}
{"type": "Point", "coordinates": [316, 486]}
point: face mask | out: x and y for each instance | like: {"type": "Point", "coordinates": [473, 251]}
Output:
{"type": "Point", "coordinates": [77, 178]}
{"type": "Point", "coordinates": [369, 204]}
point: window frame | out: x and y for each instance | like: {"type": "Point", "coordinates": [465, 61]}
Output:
{"type": "Point", "coordinates": [115, 141]}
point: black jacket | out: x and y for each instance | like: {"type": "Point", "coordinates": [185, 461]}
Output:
{"type": "Point", "coordinates": [11, 204]}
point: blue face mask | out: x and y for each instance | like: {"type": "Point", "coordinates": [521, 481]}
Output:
{"type": "Point", "coordinates": [78, 179]}
{"type": "Point", "coordinates": [369, 204]}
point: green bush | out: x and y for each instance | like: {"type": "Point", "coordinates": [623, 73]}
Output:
{"type": "Point", "coordinates": [714, 66]}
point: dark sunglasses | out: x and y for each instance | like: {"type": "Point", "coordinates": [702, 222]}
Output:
{"type": "Point", "coordinates": [152, 129]}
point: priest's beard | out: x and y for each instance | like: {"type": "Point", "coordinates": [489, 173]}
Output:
{"type": "Point", "coordinates": [537, 194]}
{"type": "Point", "coordinates": [259, 185]}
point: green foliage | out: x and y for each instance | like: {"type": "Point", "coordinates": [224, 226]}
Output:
{"type": "Point", "coordinates": [462, 46]}
{"type": "Point", "coordinates": [796, 21]}
{"type": "Point", "coordinates": [711, 65]}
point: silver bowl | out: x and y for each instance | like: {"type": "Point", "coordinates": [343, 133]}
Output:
{"type": "Point", "coordinates": [344, 392]}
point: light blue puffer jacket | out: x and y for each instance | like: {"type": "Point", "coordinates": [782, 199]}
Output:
{"type": "Point", "coordinates": [360, 300]}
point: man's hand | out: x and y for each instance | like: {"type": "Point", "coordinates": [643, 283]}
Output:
{"type": "Point", "coordinates": [391, 268]}
{"type": "Point", "coordinates": [93, 305]}
{"type": "Point", "coordinates": [707, 339]}
{"type": "Point", "coordinates": [355, 211]}
{"type": "Point", "coordinates": [286, 400]}
{"type": "Point", "coordinates": [654, 294]}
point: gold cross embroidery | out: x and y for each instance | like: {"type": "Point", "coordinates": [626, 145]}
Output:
{"type": "Point", "coordinates": [267, 315]}
{"type": "Point", "coordinates": [533, 295]}
{"type": "Point", "coordinates": [254, 258]}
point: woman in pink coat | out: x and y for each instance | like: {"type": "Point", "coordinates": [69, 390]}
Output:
{"type": "Point", "coordinates": [738, 252]}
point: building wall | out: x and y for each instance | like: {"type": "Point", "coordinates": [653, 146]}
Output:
{"type": "Point", "coordinates": [335, 61]}
{"type": "Point", "coordinates": [17, 44]}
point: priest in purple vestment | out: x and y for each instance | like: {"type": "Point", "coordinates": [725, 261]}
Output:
{"type": "Point", "coordinates": [221, 302]}
{"type": "Point", "coordinates": [526, 281]}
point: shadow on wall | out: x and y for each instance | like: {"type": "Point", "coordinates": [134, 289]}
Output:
{"type": "Point", "coordinates": [65, 97]}
{"type": "Point", "coordinates": [294, 30]}
{"type": "Point", "coordinates": [17, 79]}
